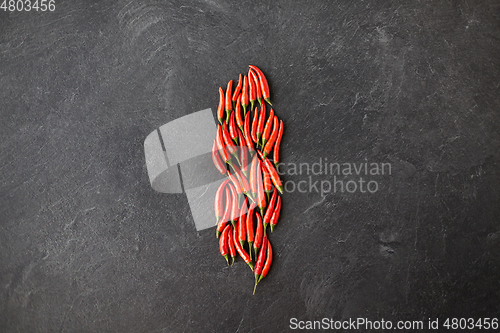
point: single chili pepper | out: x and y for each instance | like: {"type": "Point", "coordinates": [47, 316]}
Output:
{"type": "Point", "coordinates": [221, 166]}
{"type": "Point", "coordinates": [267, 129]}
{"type": "Point", "coordinates": [260, 126]}
{"type": "Point", "coordinates": [275, 177]}
{"type": "Point", "coordinates": [261, 197]}
{"type": "Point", "coordinates": [259, 264]}
{"type": "Point", "coordinates": [222, 146]}
{"type": "Point", "coordinates": [220, 109]}
{"type": "Point", "coordinates": [252, 94]}
{"type": "Point", "coordinates": [219, 200]}
{"type": "Point", "coordinates": [259, 234]}
{"type": "Point", "coordinates": [237, 113]}
{"type": "Point", "coordinates": [269, 210]}
{"type": "Point", "coordinates": [231, 147]}
{"type": "Point", "coordinates": [232, 250]}
{"type": "Point", "coordinates": [247, 133]}
{"type": "Point", "coordinates": [272, 139]}
{"type": "Point", "coordinates": [243, 254]}
{"type": "Point", "coordinates": [243, 154]}
{"type": "Point", "coordinates": [236, 183]}
{"type": "Point", "coordinates": [235, 208]}
{"type": "Point", "coordinates": [263, 84]}
{"type": "Point", "coordinates": [229, 104]}
{"type": "Point", "coordinates": [253, 175]}
{"type": "Point", "coordinates": [269, 260]}
{"type": "Point", "coordinates": [249, 225]}
{"type": "Point", "coordinates": [237, 90]}
{"type": "Point", "coordinates": [244, 95]}
{"type": "Point", "coordinates": [227, 211]}
{"type": "Point", "coordinates": [268, 183]}
{"type": "Point", "coordinates": [245, 187]}
{"type": "Point", "coordinates": [242, 226]}
{"type": "Point", "coordinates": [276, 214]}
{"type": "Point", "coordinates": [257, 85]}
{"type": "Point", "coordinates": [233, 130]}
{"type": "Point", "coordinates": [276, 151]}
{"type": "Point", "coordinates": [223, 242]}
{"type": "Point", "coordinates": [254, 126]}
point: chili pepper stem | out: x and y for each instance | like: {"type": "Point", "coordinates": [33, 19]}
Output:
{"type": "Point", "coordinates": [256, 249]}
{"type": "Point", "coordinates": [257, 279]}
{"type": "Point", "coordinates": [250, 249]}
{"type": "Point", "coordinates": [268, 101]}
{"type": "Point", "coordinates": [227, 259]}
{"type": "Point", "coordinates": [228, 115]}
{"type": "Point", "coordinates": [272, 227]}
{"type": "Point", "coordinates": [242, 243]}
{"type": "Point", "coordinates": [251, 265]}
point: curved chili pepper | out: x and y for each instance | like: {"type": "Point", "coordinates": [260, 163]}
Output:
{"type": "Point", "coordinates": [223, 242]}
{"type": "Point", "coordinates": [225, 218]}
{"type": "Point", "coordinates": [243, 154]}
{"type": "Point", "coordinates": [268, 183]}
{"type": "Point", "coordinates": [261, 197]}
{"type": "Point", "coordinates": [243, 254]}
{"type": "Point", "coordinates": [220, 109]}
{"type": "Point", "coordinates": [237, 113]}
{"type": "Point", "coordinates": [263, 84]}
{"type": "Point", "coordinates": [245, 187]}
{"type": "Point", "coordinates": [253, 175]}
{"type": "Point", "coordinates": [272, 139]}
{"type": "Point", "coordinates": [257, 86]}
{"type": "Point", "coordinates": [235, 209]}
{"type": "Point", "coordinates": [248, 134]}
{"type": "Point", "coordinates": [252, 94]}
{"type": "Point", "coordinates": [260, 126]}
{"type": "Point", "coordinates": [269, 260]}
{"type": "Point", "coordinates": [249, 225]}
{"type": "Point", "coordinates": [267, 129]}
{"type": "Point", "coordinates": [231, 147]}
{"type": "Point", "coordinates": [221, 166]}
{"type": "Point", "coordinates": [237, 90]}
{"type": "Point", "coordinates": [230, 241]}
{"type": "Point", "coordinates": [229, 104]}
{"type": "Point", "coordinates": [219, 202]}
{"type": "Point", "coordinates": [242, 226]}
{"type": "Point", "coordinates": [276, 214]}
{"type": "Point", "coordinates": [269, 210]}
{"type": "Point", "coordinates": [233, 130]}
{"type": "Point", "coordinates": [259, 264]}
{"type": "Point", "coordinates": [222, 146]}
{"type": "Point", "coordinates": [244, 95]}
{"type": "Point", "coordinates": [254, 125]}
{"type": "Point", "coordinates": [276, 151]}
{"type": "Point", "coordinates": [259, 234]}
{"type": "Point", "coordinates": [275, 177]}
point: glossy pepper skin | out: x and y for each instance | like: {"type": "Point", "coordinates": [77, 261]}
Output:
{"type": "Point", "coordinates": [269, 260]}
{"type": "Point", "coordinates": [252, 94]}
{"type": "Point", "coordinates": [224, 242]}
{"type": "Point", "coordinates": [272, 139]}
{"type": "Point", "coordinates": [235, 209]}
{"type": "Point", "coordinates": [219, 201]}
{"type": "Point", "coordinates": [243, 254]}
{"type": "Point", "coordinates": [268, 183]}
{"type": "Point", "coordinates": [230, 241]}
{"type": "Point", "coordinates": [220, 109]}
{"type": "Point", "coordinates": [221, 166]}
{"type": "Point", "coordinates": [276, 214]}
{"type": "Point", "coordinates": [276, 149]}
{"type": "Point", "coordinates": [268, 127]}
{"type": "Point", "coordinates": [259, 264]}
{"type": "Point", "coordinates": [249, 225]}
{"type": "Point", "coordinates": [259, 234]}
{"type": "Point", "coordinates": [244, 95]}
{"type": "Point", "coordinates": [221, 145]}
{"type": "Point", "coordinates": [242, 226]}
{"type": "Point", "coordinates": [227, 214]}
{"type": "Point", "coordinates": [260, 125]}
{"type": "Point", "coordinates": [255, 79]}
{"type": "Point", "coordinates": [233, 130]}
{"type": "Point", "coordinates": [263, 84]}
{"type": "Point", "coordinates": [237, 114]}
{"type": "Point", "coordinates": [248, 135]}
{"type": "Point", "coordinates": [243, 155]}
{"type": "Point", "coordinates": [255, 124]}
{"type": "Point", "coordinates": [275, 177]}
{"type": "Point", "coordinates": [229, 104]}
{"type": "Point", "coordinates": [237, 90]}
{"type": "Point", "coordinates": [270, 210]}
{"type": "Point", "coordinates": [261, 197]}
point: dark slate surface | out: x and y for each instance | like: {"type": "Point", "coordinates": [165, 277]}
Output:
{"type": "Point", "coordinates": [86, 245]}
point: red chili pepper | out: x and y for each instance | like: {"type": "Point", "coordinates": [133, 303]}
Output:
{"type": "Point", "coordinates": [244, 95]}
{"type": "Point", "coordinates": [254, 125]}
{"type": "Point", "coordinates": [259, 234]}
{"type": "Point", "coordinates": [272, 139]}
{"type": "Point", "coordinates": [276, 152]}
{"type": "Point", "coordinates": [237, 113]}
{"type": "Point", "coordinates": [252, 94]}
{"type": "Point", "coordinates": [223, 242]}
{"type": "Point", "coordinates": [242, 226]}
{"type": "Point", "coordinates": [253, 175]}
{"type": "Point", "coordinates": [245, 187]}
{"type": "Point", "coordinates": [263, 84]}
{"type": "Point", "coordinates": [268, 183]}
{"type": "Point", "coordinates": [268, 127]}
{"type": "Point", "coordinates": [257, 85]}
{"type": "Point", "coordinates": [231, 147]}
{"type": "Point", "coordinates": [237, 90]}
{"type": "Point", "coordinates": [229, 105]}
{"type": "Point", "coordinates": [275, 177]}
{"type": "Point", "coordinates": [260, 263]}
{"type": "Point", "coordinates": [235, 209]}
{"type": "Point", "coordinates": [269, 260]}
{"type": "Point", "coordinates": [248, 134]}
{"type": "Point", "coordinates": [219, 200]}
{"type": "Point", "coordinates": [221, 166]}
{"type": "Point", "coordinates": [222, 146]}
{"type": "Point", "coordinates": [260, 126]}
{"type": "Point", "coordinates": [243, 254]}
{"type": "Point", "coordinates": [276, 214]}
{"type": "Point", "coordinates": [235, 182]}
{"type": "Point", "coordinates": [270, 210]}
{"type": "Point", "coordinates": [227, 211]}
{"type": "Point", "coordinates": [233, 130]}
{"type": "Point", "coordinates": [243, 154]}
{"type": "Point", "coordinates": [249, 225]}
{"type": "Point", "coordinates": [261, 197]}
{"type": "Point", "coordinates": [232, 250]}
{"type": "Point", "coordinates": [220, 109]}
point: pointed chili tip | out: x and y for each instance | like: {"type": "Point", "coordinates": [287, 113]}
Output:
{"type": "Point", "coordinates": [251, 265]}
{"type": "Point", "coordinates": [268, 100]}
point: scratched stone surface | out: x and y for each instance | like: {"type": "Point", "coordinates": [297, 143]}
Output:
{"type": "Point", "coordinates": [86, 245]}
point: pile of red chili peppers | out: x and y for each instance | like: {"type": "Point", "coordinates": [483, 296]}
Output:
{"type": "Point", "coordinates": [241, 151]}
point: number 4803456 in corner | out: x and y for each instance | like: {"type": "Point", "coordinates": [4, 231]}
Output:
{"type": "Point", "coordinates": [28, 5]}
